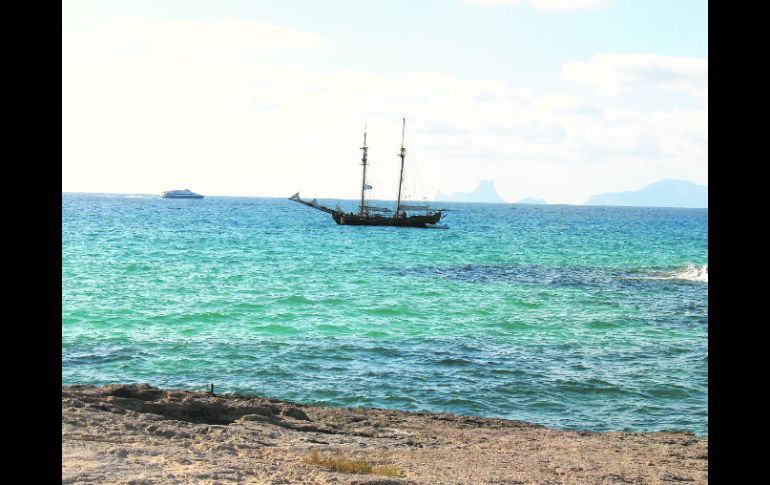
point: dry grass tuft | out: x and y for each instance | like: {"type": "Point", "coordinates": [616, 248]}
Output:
{"type": "Point", "coordinates": [387, 470]}
{"type": "Point", "coordinates": [345, 465]}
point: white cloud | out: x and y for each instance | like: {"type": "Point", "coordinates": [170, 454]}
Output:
{"type": "Point", "coordinates": [221, 133]}
{"type": "Point", "coordinates": [221, 126]}
{"type": "Point", "coordinates": [615, 74]}
{"type": "Point", "coordinates": [562, 104]}
{"type": "Point", "coordinates": [549, 4]}
{"type": "Point", "coordinates": [225, 35]}
{"type": "Point", "coordinates": [213, 41]}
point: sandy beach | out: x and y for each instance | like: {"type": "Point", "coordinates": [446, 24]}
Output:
{"type": "Point", "coordinates": [138, 434]}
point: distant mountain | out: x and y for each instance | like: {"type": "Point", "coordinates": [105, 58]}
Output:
{"type": "Point", "coordinates": [664, 193]}
{"type": "Point", "coordinates": [485, 192]}
{"type": "Point", "coordinates": [531, 200]}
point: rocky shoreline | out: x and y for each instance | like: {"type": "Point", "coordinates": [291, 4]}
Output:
{"type": "Point", "coordinates": [139, 434]}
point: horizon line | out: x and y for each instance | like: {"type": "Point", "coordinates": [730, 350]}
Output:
{"type": "Point", "coordinates": [445, 201]}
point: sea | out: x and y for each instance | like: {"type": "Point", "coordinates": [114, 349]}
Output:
{"type": "Point", "coordinates": [572, 317]}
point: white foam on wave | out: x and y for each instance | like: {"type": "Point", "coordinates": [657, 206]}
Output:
{"type": "Point", "coordinates": [689, 272]}
{"type": "Point", "coordinates": [692, 272]}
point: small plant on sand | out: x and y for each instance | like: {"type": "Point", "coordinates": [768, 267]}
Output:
{"type": "Point", "coordinates": [345, 465]}
{"type": "Point", "coordinates": [386, 470]}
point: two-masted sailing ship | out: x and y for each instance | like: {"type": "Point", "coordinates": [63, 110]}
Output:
{"type": "Point", "coordinates": [405, 215]}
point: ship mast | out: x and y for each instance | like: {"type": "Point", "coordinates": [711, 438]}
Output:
{"type": "Point", "coordinates": [401, 178]}
{"type": "Point", "coordinates": [362, 209]}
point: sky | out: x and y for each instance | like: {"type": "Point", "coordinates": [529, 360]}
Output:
{"type": "Point", "coordinates": [553, 99]}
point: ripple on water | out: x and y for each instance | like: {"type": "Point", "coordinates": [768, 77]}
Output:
{"type": "Point", "coordinates": [564, 316]}
{"type": "Point", "coordinates": [275, 329]}
{"type": "Point", "coordinates": [603, 325]}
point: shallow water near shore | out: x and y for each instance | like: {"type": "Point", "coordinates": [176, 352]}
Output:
{"type": "Point", "coordinates": [572, 317]}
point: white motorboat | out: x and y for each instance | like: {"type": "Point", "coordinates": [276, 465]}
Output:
{"type": "Point", "coordinates": [180, 194]}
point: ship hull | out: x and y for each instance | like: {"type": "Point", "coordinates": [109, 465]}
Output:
{"type": "Point", "coordinates": [406, 221]}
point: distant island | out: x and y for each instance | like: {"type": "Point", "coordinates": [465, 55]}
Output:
{"type": "Point", "coordinates": [485, 192]}
{"type": "Point", "coordinates": [664, 193]}
{"type": "Point", "coordinates": [531, 200]}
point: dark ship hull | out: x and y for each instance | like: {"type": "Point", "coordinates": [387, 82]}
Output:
{"type": "Point", "coordinates": [405, 221]}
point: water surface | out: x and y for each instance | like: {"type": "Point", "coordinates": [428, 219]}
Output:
{"type": "Point", "coordinates": [568, 316]}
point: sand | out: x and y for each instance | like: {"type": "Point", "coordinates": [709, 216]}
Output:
{"type": "Point", "coordinates": [138, 434]}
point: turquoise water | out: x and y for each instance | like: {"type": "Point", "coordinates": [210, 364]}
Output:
{"type": "Point", "coordinates": [567, 316]}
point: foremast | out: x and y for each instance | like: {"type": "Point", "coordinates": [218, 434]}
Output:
{"type": "Point", "coordinates": [402, 154]}
{"type": "Point", "coordinates": [362, 209]}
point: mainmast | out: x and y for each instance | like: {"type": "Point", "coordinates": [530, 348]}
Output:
{"type": "Point", "coordinates": [362, 209]}
{"type": "Point", "coordinates": [401, 177]}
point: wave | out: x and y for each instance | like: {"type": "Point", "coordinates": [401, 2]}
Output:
{"type": "Point", "coordinates": [688, 272]}
{"type": "Point", "coordinates": [692, 272]}
{"type": "Point", "coordinates": [568, 276]}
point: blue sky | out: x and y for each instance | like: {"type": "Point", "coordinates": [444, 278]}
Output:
{"type": "Point", "coordinates": [556, 99]}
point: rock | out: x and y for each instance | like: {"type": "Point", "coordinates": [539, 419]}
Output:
{"type": "Point", "coordinates": [120, 452]}
{"type": "Point", "coordinates": [673, 478]}
{"type": "Point", "coordinates": [143, 392]}
{"type": "Point", "coordinates": [261, 410]}
{"type": "Point", "coordinates": [379, 481]}
{"type": "Point", "coordinates": [180, 432]}
{"type": "Point", "coordinates": [295, 413]}
{"type": "Point", "coordinates": [254, 417]}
